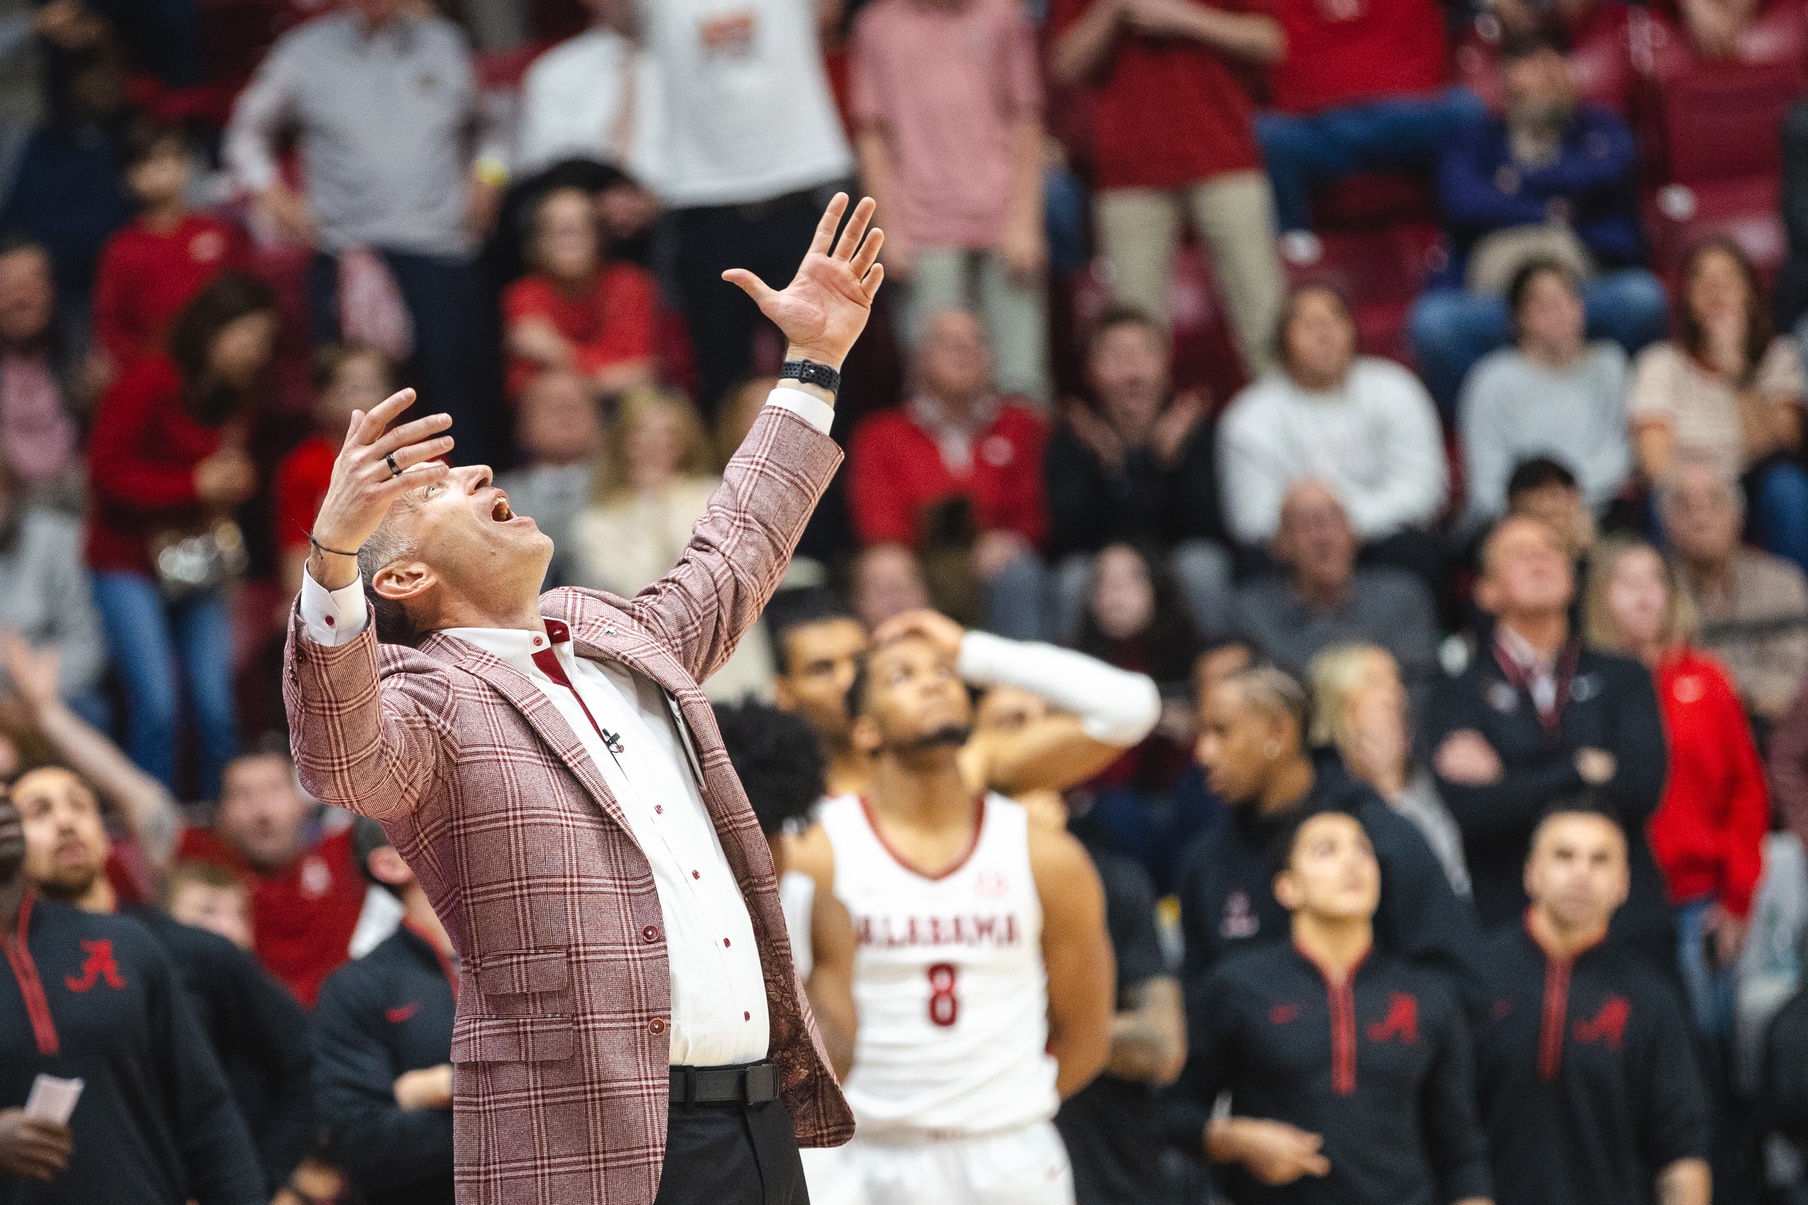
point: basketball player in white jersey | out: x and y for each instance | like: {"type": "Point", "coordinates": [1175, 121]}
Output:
{"type": "Point", "coordinates": [981, 971]}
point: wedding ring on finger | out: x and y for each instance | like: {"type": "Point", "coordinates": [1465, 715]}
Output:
{"type": "Point", "coordinates": [394, 470]}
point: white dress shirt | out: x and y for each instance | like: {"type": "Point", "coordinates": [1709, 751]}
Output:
{"type": "Point", "coordinates": [718, 988]}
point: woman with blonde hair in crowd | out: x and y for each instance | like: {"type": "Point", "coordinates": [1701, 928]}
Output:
{"type": "Point", "coordinates": [1708, 831]}
{"type": "Point", "coordinates": [1359, 709]}
{"type": "Point", "coordinates": [655, 479]}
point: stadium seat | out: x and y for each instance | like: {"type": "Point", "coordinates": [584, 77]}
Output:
{"type": "Point", "coordinates": [1379, 272]}
{"type": "Point", "coordinates": [1723, 121]}
{"type": "Point", "coordinates": [1373, 199]}
{"type": "Point", "coordinates": [1678, 216]}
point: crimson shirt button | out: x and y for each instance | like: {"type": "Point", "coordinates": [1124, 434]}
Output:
{"type": "Point", "coordinates": [650, 933]}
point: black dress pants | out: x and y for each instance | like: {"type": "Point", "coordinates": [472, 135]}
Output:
{"type": "Point", "coordinates": [731, 1154]}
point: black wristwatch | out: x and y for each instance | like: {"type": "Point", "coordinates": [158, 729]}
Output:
{"type": "Point", "coordinates": [811, 373]}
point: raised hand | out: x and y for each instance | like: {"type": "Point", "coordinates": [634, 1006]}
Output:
{"type": "Point", "coordinates": [825, 307]}
{"type": "Point", "coordinates": [374, 468]}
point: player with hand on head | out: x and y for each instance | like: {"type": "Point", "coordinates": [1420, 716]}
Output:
{"type": "Point", "coordinates": [981, 967]}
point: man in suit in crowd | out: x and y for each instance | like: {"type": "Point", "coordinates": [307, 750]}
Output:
{"type": "Point", "coordinates": [630, 1027]}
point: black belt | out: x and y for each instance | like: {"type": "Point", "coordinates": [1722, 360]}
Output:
{"type": "Point", "coordinates": [743, 1084]}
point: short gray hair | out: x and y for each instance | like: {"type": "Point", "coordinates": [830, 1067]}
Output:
{"type": "Point", "coordinates": [385, 546]}
{"type": "Point", "coordinates": [1694, 459]}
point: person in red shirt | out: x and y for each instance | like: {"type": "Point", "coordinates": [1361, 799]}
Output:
{"type": "Point", "coordinates": [167, 462]}
{"type": "Point", "coordinates": [347, 377]}
{"type": "Point", "coordinates": [1173, 134]}
{"type": "Point", "coordinates": [1361, 88]}
{"type": "Point", "coordinates": [959, 467]}
{"type": "Point", "coordinates": [574, 311]}
{"type": "Point", "coordinates": [305, 898]}
{"type": "Point", "coordinates": [149, 270]}
{"type": "Point", "coordinates": [1708, 832]}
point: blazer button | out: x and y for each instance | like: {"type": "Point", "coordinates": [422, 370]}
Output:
{"type": "Point", "coordinates": [656, 1026]}
{"type": "Point", "coordinates": [650, 933]}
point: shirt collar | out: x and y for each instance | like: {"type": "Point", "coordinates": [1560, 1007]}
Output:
{"type": "Point", "coordinates": [514, 646]}
{"type": "Point", "coordinates": [1522, 653]}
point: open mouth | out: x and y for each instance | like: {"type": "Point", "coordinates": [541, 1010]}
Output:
{"type": "Point", "coordinates": [499, 511]}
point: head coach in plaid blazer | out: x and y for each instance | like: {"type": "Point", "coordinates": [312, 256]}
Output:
{"type": "Point", "coordinates": [630, 1027]}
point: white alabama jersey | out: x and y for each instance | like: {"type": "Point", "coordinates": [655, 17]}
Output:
{"type": "Point", "coordinates": [797, 899]}
{"type": "Point", "coordinates": [949, 982]}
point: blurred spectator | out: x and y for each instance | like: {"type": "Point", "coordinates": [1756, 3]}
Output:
{"type": "Point", "coordinates": [1707, 834]}
{"type": "Point", "coordinates": [1753, 606]}
{"type": "Point", "coordinates": [38, 438]}
{"type": "Point", "coordinates": [66, 191]}
{"type": "Point", "coordinates": [168, 466]}
{"type": "Point", "coordinates": [1362, 426]}
{"type": "Point", "coordinates": [1588, 1082]}
{"type": "Point", "coordinates": [957, 467]}
{"type": "Point", "coordinates": [205, 896]}
{"type": "Point", "coordinates": [1360, 88]}
{"type": "Point", "coordinates": [1252, 743]}
{"type": "Point", "coordinates": [347, 377]}
{"type": "Point", "coordinates": [1133, 621]}
{"type": "Point", "coordinates": [1550, 178]}
{"type": "Point", "coordinates": [1727, 389]}
{"type": "Point", "coordinates": [159, 1124]}
{"type": "Point", "coordinates": [655, 479]}
{"type": "Point", "coordinates": [256, 1030]}
{"type": "Point", "coordinates": [752, 141]}
{"type": "Point", "coordinates": [1171, 132]}
{"type": "Point", "coordinates": [1714, 26]}
{"type": "Point", "coordinates": [947, 104]}
{"type": "Point", "coordinates": [1359, 708]}
{"type": "Point", "coordinates": [1542, 489]}
{"type": "Point", "coordinates": [596, 96]}
{"type": "Point", "coordinates": [1551, 395]}
{"type": "Point", "coordinates": [383, 1046]}
{"type": "Point", "coordinates": [305, 894]}
{"type": "Point", "coordinates": [151, 269]}
{"type": "Point", "coordinates": [1536, 717]}
{"type": "Point", "coordinates": [818, 646]}
{"type": "Point", "coordinates": [1364, 1113]}
{"type": "Point", "coordinates": [1788, 761]}
{"type": "Point", "coordinates": [888, 580]}
{"type": "Point", "coordinates": [383, 101]}
{"type": "Point", "coordinates": [45, 595]}
{"type": "Point", "coordinates": [1138, 470]}
{"type": "Point", "coordinates": [559, 440]}
{"type": "Point", "coordinates": [1324, 599]}
{"type": "Point", "coordinates": [575, 312]}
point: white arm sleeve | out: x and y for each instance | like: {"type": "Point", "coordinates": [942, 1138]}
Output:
{"type": "Point", "coordinates": [1114, 705]}
{"type": "Point", "coordinates": [333, 617]}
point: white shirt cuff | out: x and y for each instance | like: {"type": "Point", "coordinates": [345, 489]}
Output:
{"type": "Point", "coordinates": [333, 617]}
{"type": "Point", "coordinates": [807, 406]}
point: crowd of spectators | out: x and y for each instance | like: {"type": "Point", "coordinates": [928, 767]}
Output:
{"type": "Point", "coordinates": [1537, 540]}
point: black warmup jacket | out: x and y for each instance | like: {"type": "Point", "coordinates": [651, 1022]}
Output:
{"type": "Point", "coordinates": [1587, 1073]}
{"type": "Point", "coordinates": [386, 1013]}
{"type": "Point", "coordinates": [1612, 706]}
{"type": "Point", "coordinates": [155, 1124]}
{"type": "Point", "coordinates": [1379, 1067]}
{"type": "Point", "coordinates": [1227, 902]}
{"type": "Point", "coordinates": [258, 1032]}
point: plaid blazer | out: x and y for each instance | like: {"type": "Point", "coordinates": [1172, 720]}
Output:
{"type": "Point", "coordinates": [561, 1044]}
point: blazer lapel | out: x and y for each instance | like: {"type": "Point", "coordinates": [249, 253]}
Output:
{"type": "Point", "coordinates": [536, 709]}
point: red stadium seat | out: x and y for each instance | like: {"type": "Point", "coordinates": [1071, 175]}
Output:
{"type": "Point", "coordinates": [1379, 272]}
{"type": "Point", "coordinates": [1723, 121]}
{"type": "Point", "coordinates": [1373, 199]}
{"type": "Point", "coordinates": [1678, 216]}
